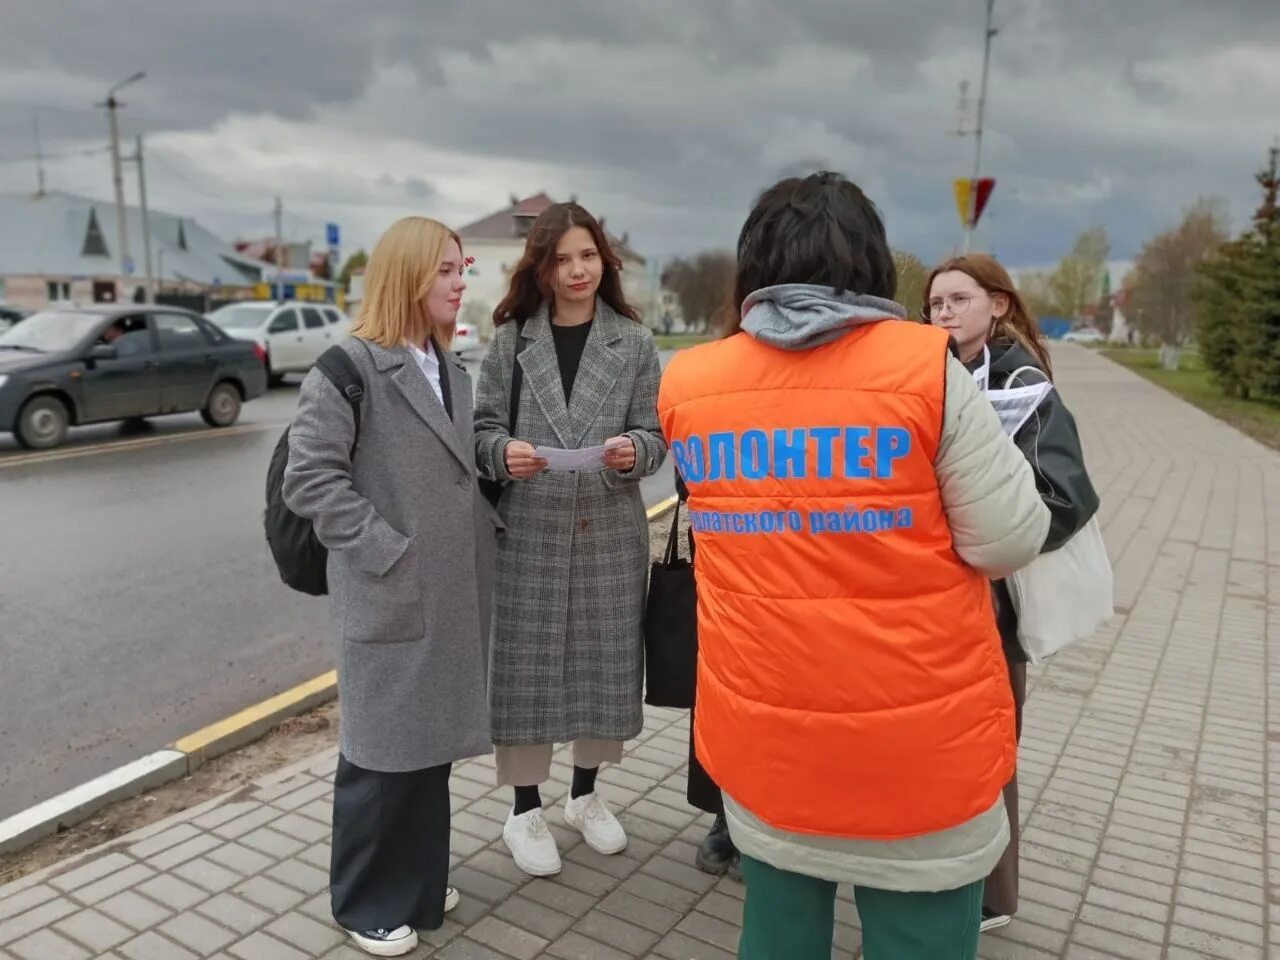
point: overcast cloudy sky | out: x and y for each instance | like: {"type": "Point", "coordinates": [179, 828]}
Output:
{"type": "Point", "coordinates": [667, 116]}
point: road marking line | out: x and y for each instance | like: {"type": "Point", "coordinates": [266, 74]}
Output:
{"type": "Point", "coordinates": [274, 707]}
{"type": "Point", "coordinates": [280, 705]}
{"type": "Point", "coordinates": [142, 443]}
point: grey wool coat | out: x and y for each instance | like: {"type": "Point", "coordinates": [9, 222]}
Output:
{"type": "Point", "coordinates": [568, 651]}
{"type": "Point", "coordinates": [411, 551]}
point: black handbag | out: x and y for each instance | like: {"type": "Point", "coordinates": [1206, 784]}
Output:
{"type": "Point", "coordinates": [492, 489]}
{"type": "Point", "coordinates": [671, 627]}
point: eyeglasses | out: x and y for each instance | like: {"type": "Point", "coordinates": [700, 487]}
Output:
{"type": "Point", "coordinates": [958, 303]}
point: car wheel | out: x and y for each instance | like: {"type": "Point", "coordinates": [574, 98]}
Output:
{"type": "Point", "coordinates": [43, 423]}
{"type": "Point", "coordinates": [223, 408]}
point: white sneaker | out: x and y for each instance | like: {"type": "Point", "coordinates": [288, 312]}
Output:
{"type": "Point", "coordinates": [451, 900]}
{"type": "Point", "coordinates": [601, 829]}
{"type": "Point", "coordinates": [531, 844]}
{"type": "Point", "coordinates": [386, 943]}
{"type": "Point", "coordinates": [994, 921]}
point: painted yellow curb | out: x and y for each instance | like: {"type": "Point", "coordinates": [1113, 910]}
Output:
{"type": "Point", "coordinates": [658, 509]}
{"type": "Point", "coordinates": [252, 722]}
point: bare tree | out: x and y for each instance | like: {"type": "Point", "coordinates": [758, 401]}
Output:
{"type": "Point", "coordinates": [912, 277]}
{"type": "Point", "coordinates": [1038, 296]}
{"type": "Point", "coordinates": [1163, 280]}
{"type": "Point", "coordinates": [1077, 281]}
{"type": "Point", "coordinates": [703, 284]}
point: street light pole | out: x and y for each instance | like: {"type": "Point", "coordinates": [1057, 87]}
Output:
{"type": "Point", "coordinates": [146, 221]}
{"type": "Point", "coordinates": [977, 133]}
{"type": "Point", "coordinates": [117, 173]}
{"type": "Point", "coordinates": [35, 121]}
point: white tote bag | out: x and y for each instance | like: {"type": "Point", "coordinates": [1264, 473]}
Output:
{"type": "Point", "coordinates": [1064, 596]}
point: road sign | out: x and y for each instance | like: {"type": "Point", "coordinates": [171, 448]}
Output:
{"type": "Point", "coordinates": [331, 236]}
{"type": "Point", "coordinates": [128, 266]}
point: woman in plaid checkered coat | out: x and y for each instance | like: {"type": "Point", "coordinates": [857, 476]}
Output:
{"type": "Point", "coordinates": [567, 649]}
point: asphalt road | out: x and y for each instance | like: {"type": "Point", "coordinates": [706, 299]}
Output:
{"type": "Point", "coordinates": [138, 601]}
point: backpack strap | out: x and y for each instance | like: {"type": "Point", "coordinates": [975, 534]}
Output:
{"type": "Point", "coordinates": [340, 370]}
{"type": "Point", "coordinates": [1028, 368]}
{"type": "Point", "coordinates": [517, 381]}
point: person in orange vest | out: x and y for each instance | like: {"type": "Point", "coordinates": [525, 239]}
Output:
{"type": "Point", "coordinates": [852, 492]}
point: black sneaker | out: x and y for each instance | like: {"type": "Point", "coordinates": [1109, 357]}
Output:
{"type": "Point", "coordinates": [717, 855]}
{"type": "Point", "coordinates": [994, 921]}
{"type": "Point", "coordinates": [386, 943]}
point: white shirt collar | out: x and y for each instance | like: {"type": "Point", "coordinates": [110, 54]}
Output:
{"type": "Point", "coordinates": [429, 364]}
{"type": "Point", "coordinates": [424, 356]}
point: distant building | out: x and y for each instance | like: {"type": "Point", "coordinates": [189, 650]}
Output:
{"type": "Point", "coordinates": [297, 255]}
{"type": "Point", "coordinates": [61, 247]}
{"type": "Point", "coordinates": [497, 243]}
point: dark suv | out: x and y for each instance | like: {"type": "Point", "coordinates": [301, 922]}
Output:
{"type": "Point", "coordinates": [68, 367]}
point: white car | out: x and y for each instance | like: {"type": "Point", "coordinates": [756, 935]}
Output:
{"type": "Point", "coordinates": [1085, 335]}
{"type": "Point", "coordinates": [465, 338]}
{"type": "Point", "coordinates": [10, 316]}
{"type": "Point", "coordinates": [292, 333]}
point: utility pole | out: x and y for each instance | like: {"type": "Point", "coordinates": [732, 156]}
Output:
{"type": "Point", "coordinates": [281, 256]}
{"type": "Point", "coordinates": [977, 132]}
{"type": "Point", "coordinates": [117, 173]}
{"type": "Point", "coordinates": [35, 122]}
{"type": "Point", "coordinates": [146, 220]}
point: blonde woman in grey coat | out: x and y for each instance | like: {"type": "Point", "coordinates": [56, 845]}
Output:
{"type": "Point", "coordinates": [568, 660]}
{"type": "Point", "coordinates": [411, 544]}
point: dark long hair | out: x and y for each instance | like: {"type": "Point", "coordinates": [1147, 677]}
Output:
{"type": "Point", "coordinates": [1017, 325]}
{"type": "Point", "coordinates": [820, 229]}
{"type": "Point", "coordinates": [533, 281]}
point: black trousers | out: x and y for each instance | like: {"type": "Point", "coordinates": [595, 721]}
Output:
{"type": "Point", "coordinates": [702, 792]}
{"type": "Point", "coordinates": [390, 861]}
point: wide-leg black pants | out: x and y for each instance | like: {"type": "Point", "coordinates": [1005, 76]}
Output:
{"type": "Point", "coordinates": [390, 861]}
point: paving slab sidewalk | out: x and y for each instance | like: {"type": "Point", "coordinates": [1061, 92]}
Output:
{"type": "Point", "coordinates": [1150, 772]}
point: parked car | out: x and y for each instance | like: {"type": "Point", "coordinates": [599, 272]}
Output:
{"type": "Point", "coordinates": [1085, 335]}
{"type": "Point", "coordinates": [293, 334]}
{"type": "Point", "coordinates": [465, 338]}
{"type": "Point", "coordinates": [69, 367]}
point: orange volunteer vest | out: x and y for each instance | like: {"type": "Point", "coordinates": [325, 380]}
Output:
{"type": "Point", "coordinates": [850, 677]}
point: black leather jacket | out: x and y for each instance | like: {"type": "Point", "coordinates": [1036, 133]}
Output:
{"type": "Point", "coordinates": [1051, 442]}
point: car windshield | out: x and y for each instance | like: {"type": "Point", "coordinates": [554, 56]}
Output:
{"type": "Point", "coordinates": [241, 317]}
{"type": "Point", "coordinates": [50, 332]}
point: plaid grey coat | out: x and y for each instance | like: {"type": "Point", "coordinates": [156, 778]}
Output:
{"type": "Point", "coordinates": [567, 655]}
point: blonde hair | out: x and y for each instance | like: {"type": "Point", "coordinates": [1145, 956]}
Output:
{"type": "Point", "coordinates": [397, 278]}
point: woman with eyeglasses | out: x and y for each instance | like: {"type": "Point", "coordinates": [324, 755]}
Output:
{"type": "Point", "coordinates": [974, 299]}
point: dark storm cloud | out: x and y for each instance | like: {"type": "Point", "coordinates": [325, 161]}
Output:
{"type": "Point", "coordinates": [672, 114]}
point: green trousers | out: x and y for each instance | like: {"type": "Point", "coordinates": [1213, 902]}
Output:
{"type": "Point", "coordinates": [792, 917]}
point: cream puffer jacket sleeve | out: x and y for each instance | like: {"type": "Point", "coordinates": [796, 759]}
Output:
{"type": "Point", "coordinates": [998, 521]}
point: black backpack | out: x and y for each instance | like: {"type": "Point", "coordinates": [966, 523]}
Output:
{"type": "Point", "coordinates": [300, 556]}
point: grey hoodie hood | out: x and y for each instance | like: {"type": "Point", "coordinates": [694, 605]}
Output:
{"type": "Point", "coordinates": [801, 316]}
